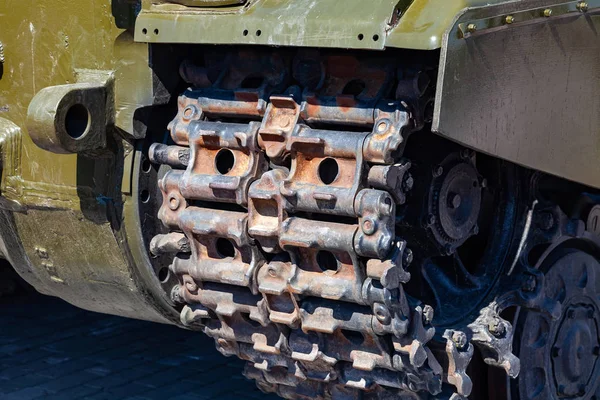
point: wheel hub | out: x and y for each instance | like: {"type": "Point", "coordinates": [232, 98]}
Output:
{"type": "Point", "coordinates": [559, 358]}
{"type": "Point", "coordinates": [482, 215]}
{"type": "Point", "coordinates": [455, 204]}
{"type": "Point", "coordinates": [575, 350]}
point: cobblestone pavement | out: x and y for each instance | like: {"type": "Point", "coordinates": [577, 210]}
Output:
{"type": "Point", "coordinates": [52, 350]}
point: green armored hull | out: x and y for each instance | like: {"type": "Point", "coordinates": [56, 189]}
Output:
{"type": "Point", "coordinates": [363, 200]}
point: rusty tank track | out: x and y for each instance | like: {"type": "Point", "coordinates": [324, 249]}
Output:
{"type": "Point", "coordinates": [283, 181]}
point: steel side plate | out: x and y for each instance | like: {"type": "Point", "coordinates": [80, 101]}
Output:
{"type": "Point", "coordinates": [523, 83]}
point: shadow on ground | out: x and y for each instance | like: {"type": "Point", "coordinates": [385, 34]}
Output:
{"type": "Point", "coordinates": [52, 350]}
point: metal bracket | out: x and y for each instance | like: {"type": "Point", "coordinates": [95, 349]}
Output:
{"type": "Point", "coordinates": [73, 118]}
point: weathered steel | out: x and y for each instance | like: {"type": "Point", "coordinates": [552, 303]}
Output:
{"type": "Point", "coordinates": [558, 373]}
{"type": "Point", "coordinates": [284, 194]}
{"type": "Point", "coordinates": [318, 264]}
{"type": "Point", "coordinates": [499, 86]}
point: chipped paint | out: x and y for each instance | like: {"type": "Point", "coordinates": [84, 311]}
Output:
{"type": "Point", "coordinates": [352, 24]}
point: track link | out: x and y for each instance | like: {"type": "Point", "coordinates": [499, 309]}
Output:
{"type": "Point", "coordinates": [282, 203]}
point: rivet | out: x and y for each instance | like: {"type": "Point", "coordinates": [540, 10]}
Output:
{"type": "Point", "coordinates": [272, 272]}
{"type": "Point", "coordinates": [382, 313]}
{"type": "Point", "coordinates": [368, 226]}
{"type": "Point", "coordinates": [497, 328]}
{"type": "Point", "coordinates": [509, 19]}
{"type": "Point", "coordinates": [548, 12]}
{"type": "Point", "coordinates": [189, 112]}
{"type": "Point", "coordinates": [460, 340]}
{"type": "Point", "coordinates": [382, 126]}
{"type": "Point", "coordinates": [174, 203]}
{"type": "Point", "coordinates": [430, 219]}
{"type": "Point", "coordinates": [285, 122]}
{"type": "Point", "coordinates": [582, 6]}
{"type": "Point", "coordinates": [471, 28]}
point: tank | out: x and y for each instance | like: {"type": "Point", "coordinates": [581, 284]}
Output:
{"type": "Point", "coordinates": [363, 200]}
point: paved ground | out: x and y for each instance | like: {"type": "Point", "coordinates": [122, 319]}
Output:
{"type": "Point", "coordinates": [51, 350]}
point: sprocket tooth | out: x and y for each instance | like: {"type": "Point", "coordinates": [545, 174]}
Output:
{"type": "Point", "coordinates": [424, 372]}
{"type": "Point", "coordinates": [494, 335]}
{"type": "Point", "coordinates": [459, 352]}
{"type": "Point", "coordinates": [413, 343]}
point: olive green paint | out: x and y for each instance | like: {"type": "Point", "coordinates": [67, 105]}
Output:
{"type": "Point", "coordinates": [354, 24]}
{"type": "Point", "coordinates": [45, 43]}
{"type": "Point", "coordinates": [65, 234]}
{"type": "Point", "coordinates": [62, 206]}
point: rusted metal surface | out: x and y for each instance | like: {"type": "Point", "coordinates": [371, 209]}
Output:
{"type": "Point", "coordinates": [278, 125]}
{"type": "Point", "coordinates": [235, 84]}
{"type": "Point", "coordinates": [340, 89]}
{"type": "Point", "coordinates": [223, 162]}
{"type": "Point", "coordinates": [290, 202]}
{"type": "Point", "coordinates": [303, 277]}
{"type": "Point", "coordinates": [174, 156]}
